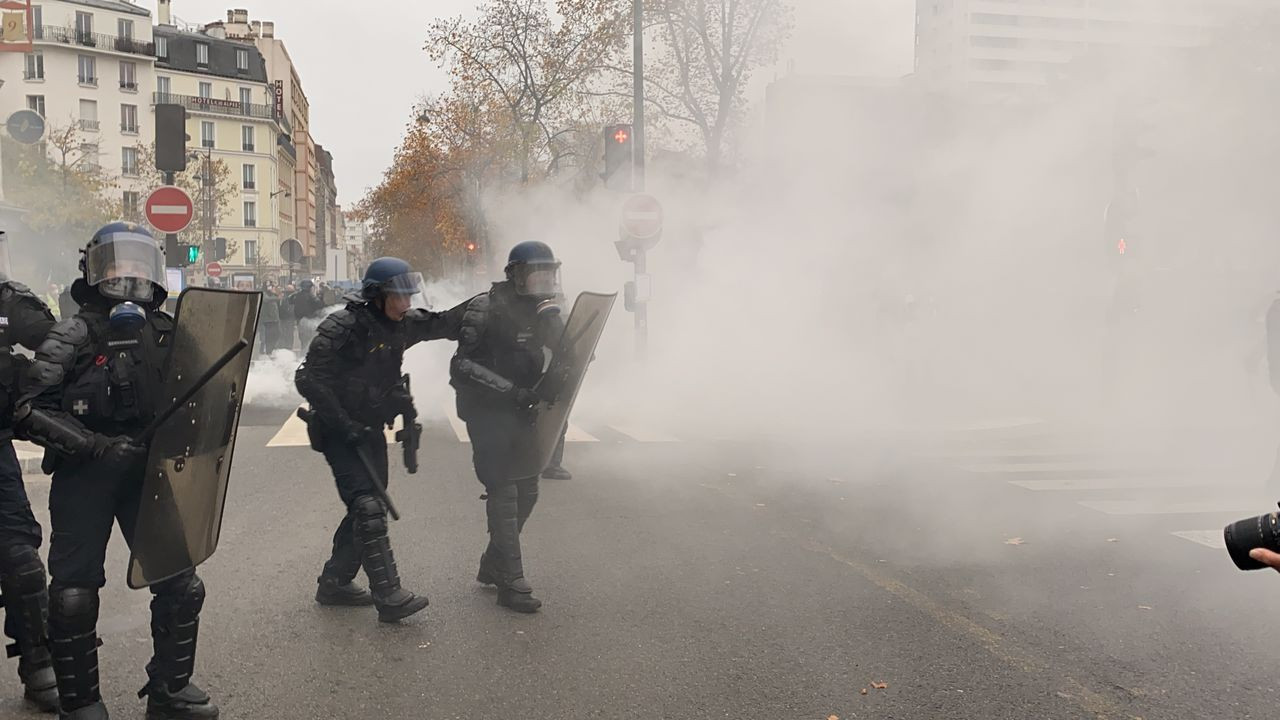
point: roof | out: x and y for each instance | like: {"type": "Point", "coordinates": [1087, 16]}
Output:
{"type": "Point", "coordinates": [116, 5]}
{"type": "Point", "coordinates": [222, 55]}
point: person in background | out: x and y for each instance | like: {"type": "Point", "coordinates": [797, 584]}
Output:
{"type": "Point", "coordinates": [288, 323]}
{"type": "Point", "coordinates": [269, 321]}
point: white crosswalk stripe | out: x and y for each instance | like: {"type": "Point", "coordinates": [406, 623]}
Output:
{"type": "Point", "coordinates": [1112, 483]}
{"type": "Point", "coordinates": [293, 433]}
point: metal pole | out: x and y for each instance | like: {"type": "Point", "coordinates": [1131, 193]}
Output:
{"type": "Point", "coordinates": [170, 239]}
{"type": "Point", "coordinates": [637, 164]}
{"type": "Point", "coordinates": [637, 161]}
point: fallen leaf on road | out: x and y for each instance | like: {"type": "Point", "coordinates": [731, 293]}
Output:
{"type": "Point", "coordinates": [864, 691]}
{"type": "Point", "coordinates": [1013, 541]}
{"type": "Point", "coordinates": [879, 685]}
{"type": "Point", "coordinates": [1144, 607]}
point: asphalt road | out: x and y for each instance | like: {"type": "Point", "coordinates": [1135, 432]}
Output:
{"type": "Point", "coordinates": [997, 575]}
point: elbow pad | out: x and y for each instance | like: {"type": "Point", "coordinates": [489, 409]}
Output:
{"type": "Point", "coordinates": [483, 376]}
{"type": "Point", "coordinates": [54, 432]}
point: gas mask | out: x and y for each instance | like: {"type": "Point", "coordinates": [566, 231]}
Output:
{"type": "Point", "coordinates": [127, 318]}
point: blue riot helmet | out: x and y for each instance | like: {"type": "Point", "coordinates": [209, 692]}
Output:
{"type": "Point", "coordinates": [534, 270]}
{"type": "Point", "coordinates": [390, 276]}
{"type": "Point", "coordinates": [124, 262]}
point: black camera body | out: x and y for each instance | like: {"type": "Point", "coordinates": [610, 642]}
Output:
{"type": "Point", "coordinates": [1243, 536]}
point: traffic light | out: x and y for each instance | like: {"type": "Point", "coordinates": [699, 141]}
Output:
{"type": "Point", "coordinates": [172, 255]}
{"type": "Point", "coordinates": [190, 254]}
{"type": "Point", "coordinates": [618, 157]}
{"type": "Point", "coordinates": [219, 249]}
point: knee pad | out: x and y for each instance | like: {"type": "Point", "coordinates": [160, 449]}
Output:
{"type": "Point", "coordinates": [73, 610]}
{"type": "Point", "coordinates": [370, 516]}
{"type": "Point", "coordinates": [182, 595]}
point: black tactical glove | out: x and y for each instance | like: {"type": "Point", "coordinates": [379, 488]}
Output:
{"type": "Point", "coordinates": [118, 454]}
{"type": "Point", "coordinates": [526, 398]}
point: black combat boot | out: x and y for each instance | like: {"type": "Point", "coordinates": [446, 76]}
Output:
{"type": "Point", "coordinates": [96, 711]}
{"type": "Point", "coordinates": [26, 603]}
{"type": "Point", "coordinates": [334, 592]}
{"type": "Point", "coordinates": [507, 509]}
{"type": "Point", "coordinates": [394, 603]}
{"type": "Point", "coordinates": [175, 627]}
{"type": "Point", "coordinates": [556, 472]}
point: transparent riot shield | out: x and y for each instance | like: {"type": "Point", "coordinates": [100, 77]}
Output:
{"type": "Point", "coordinates": [180, 514]}
{"type": "Point", "coordinates": [561, 382]}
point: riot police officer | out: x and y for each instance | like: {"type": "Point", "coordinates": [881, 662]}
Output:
{"type": "Point", "coordinates": [501, 356]}
{"type": "Point", "coordinates": [352, 379]}
{"type": "Point", "coordinates": [24, 320]}
{"type": "Point", "coordinates": [96, 381]}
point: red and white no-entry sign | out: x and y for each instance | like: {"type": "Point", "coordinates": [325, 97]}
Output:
{"type": "Point", "coordinates": [169, 209]}
{"type": "Point", "coordinates": [213, 270]}
{"type": "Point", "coordinates": [641, 217]}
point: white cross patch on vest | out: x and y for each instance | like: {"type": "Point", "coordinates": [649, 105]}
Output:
{"type": "Point", "coordinates": [80, 407]}
{"type": "Point", "coordinates": [4, 321]}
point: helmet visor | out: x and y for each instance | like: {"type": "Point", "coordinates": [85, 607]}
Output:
{"type": "Point", "coordinates": [538, 279]}
{"type": "Point", "coordinates": [125, 266]}
{"type": "Point", "coordinates": [406, 284]}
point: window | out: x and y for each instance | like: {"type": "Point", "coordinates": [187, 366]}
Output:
{"type": "Point", "coordinates": [162, 85]}
{"type": "Point", "coordinates": [250, 174]}
{"type": "Point", "coordinates": [206, 134]}
{"type": "Point", "coordinates": [89, 115]}
{"type": "Point", "coordinates": [242, 60]}
{"type": "Point", "coordinates": [162, 47]}
{"type": "Point", "coordinates": [130, 204]}
{"type": "Point", "coordinates": [88, 70]}
{"type": "Point", "coordinates": [251, 252]}
{"type": "Point", "coordinates": [129, 119]}
{"type": "Point", "coordinates": [202, 54]}
{"type": "Point", "coordinates": [206, 90]}
{"type": "Point", "coordinates": [35, 67]}
{"type": "Point", "coordinates": [37, 19]}
{"type": "Point", "coordinates": [246, 97]}
{"type": "Point", "coordinates": [89, 155]}
{"type": "Point", "coordinates": [84, 28]}
{"type": "Point", "coordinates": [124, 29]}
{"type": "Point", "coordinates": [128, 75]}
{"type": "Point", "coordinates": [36, 103]}
{"type": "Point", "coordinates": [246, 138]}
{"type": "Point", "coordinates": [129, 162]}
{"type": "Point", "coordinates": [250, 213]}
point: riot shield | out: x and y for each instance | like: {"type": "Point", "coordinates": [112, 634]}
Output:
{"type": "Point", "coordinates": [189, 464]}
{"type": "Point", "coordinates": [569, 360]}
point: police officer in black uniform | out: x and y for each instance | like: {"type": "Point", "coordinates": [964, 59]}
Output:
{"type": "Point", "coordinates": [502, 354]}
{"type": "Point", "coordinates": [96, 382]}
{"type": "Point", "coordinates": [24, 320]}
{"type": "Point", "coordinates": [352, 379]}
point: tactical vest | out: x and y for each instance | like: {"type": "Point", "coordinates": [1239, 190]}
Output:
{"type": "Point", "coordinates": [511, 345]}
{"type": "Point", "coordinates": [119, 388]}
{"type": "Point", "coordinates": [376, 356]}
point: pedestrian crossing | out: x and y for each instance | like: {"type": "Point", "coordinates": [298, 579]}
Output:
{"type": "Point", "coordinates": [293, 433]}
{"type": "Point", "coordinates": [1192, 502]}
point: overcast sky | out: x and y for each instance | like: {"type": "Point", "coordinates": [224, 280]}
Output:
{"type": "Point", "coordinates": [363, 84]}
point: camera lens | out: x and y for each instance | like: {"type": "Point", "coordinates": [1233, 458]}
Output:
{"type": "Point", "coordinates": [1245, 535]}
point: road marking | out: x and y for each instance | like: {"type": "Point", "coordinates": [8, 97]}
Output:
{"type": "Point", "coordinates": [1208, 538]}
{"type": "Point", "coordinates": [1111, 483]}
{"type": "Point", "coordinates": [1157, 507]}
{"type": "Point", "coordinates": [577, 434]}
{"type": "Point", "coordinates": [459, 427]}
{"type": "Point", "coordinates": [642, 434]}
{"type": "Point", "coordinates": [292, 434]}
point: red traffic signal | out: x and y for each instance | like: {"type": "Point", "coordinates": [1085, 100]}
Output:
{"type": "Point", "coordinates": [618, 158]}
{"type": "Point", "coordinates": [622, 135]}
{"type": "Point", "coordinates": [471, 247]}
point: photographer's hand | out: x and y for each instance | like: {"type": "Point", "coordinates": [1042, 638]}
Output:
{"type": "Point", "coordinates": [1266, 557]}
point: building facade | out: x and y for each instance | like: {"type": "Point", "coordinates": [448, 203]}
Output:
{"type": "Point", "coordinates": [296, 109]}
{"type": "Point", "coordinates": [230, 119]}
{"type": "Point", "coordinates": [89, 75]}
{"type": "Point", "coordinates": [1016, 45]}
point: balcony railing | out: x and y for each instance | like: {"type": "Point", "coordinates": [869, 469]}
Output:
{"type": "Point", "coordinates": [129, 129]}
{"type": "Point", "coordinates": [72, 36]}
{"type": "Point", "coordinates": [213, 105]}
{"type": "Point", "coordinates": [32, 76]}
{"type": "Point", "coordinates": [128, 85]}
{"type": "Point", "coordinates": [288, 147]}
{"type": "Point", "coordinates": [250, 185]}
{"type": "Point", "coordinates": [90, 125]}
{"type": "Point", "coordinates": [88, 81]}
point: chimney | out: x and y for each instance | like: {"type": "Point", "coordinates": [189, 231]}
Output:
{"type": "Point", "coordinates": [164, 13]}
{"type": "Point", "coordinates": [257, 28]}
{"type": "Point", "coordinates": [241, 16]}
{"type": "Point", "coordinates": [231, 16]}
{"type": "Point", "coordinates": [268, 29]}
{"type": "Point", "coordinates": [216, 30]}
